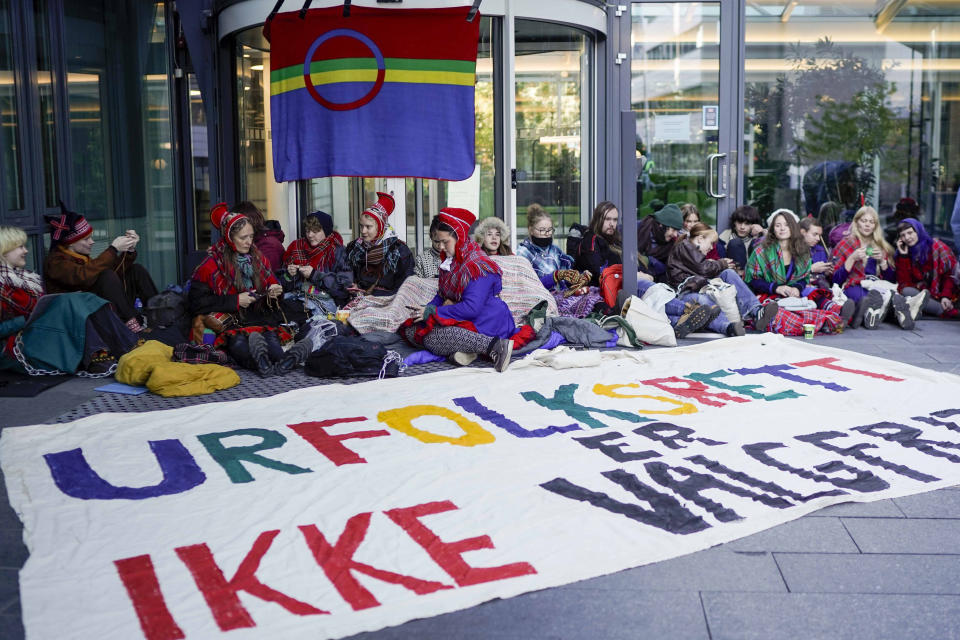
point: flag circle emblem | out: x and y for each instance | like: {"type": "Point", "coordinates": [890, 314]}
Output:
{"type": "Point", "coordinates": [344, 106]}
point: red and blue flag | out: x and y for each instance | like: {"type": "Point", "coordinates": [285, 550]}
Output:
{"type": "Point", "coordinates": [381, 92]}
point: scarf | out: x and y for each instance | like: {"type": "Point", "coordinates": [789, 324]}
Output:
{"type": "Point", "coordinates": [766, 263]}
{"type": "Point", "coordinates": [222, 278]}
{"type": "Point", "coordinates": [381, 253]}
{"type": "Point", "coordinates": [19, 291]}
{"type": "Point", "coordinates": [469, 263]}
{"type": "Point", "coordinates": [320, 257]}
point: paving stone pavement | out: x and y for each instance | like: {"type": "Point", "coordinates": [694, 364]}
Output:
{"type": "Point", "coordinates": [887, 569]}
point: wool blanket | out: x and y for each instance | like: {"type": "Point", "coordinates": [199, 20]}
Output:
{"type": "Point", "coordinates": [521, 290]}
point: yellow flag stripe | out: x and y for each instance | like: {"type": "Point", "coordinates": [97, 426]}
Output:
{"type": "Point", "coordinates": [370, 75]}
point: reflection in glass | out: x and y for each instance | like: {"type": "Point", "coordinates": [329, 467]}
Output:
{"type": "Point", "coordinates": [45, 89]}
{"type": "Point", "coordinates": [9, 116]}
{"type": "Point", "coordinates": [841, 100]}
{"type": "Point", "coordinates": [551, 76]}
{"type": "Point", "coordinates": [675, 74]}
{"type": "Point", "coordinates": [199, 165]}
{"type": "Point", "coordinates": [120, 132]}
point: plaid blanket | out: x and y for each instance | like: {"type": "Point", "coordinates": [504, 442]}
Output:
{"type": "Point", "coordinates": [521, 291]}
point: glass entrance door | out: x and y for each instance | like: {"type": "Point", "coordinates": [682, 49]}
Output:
{"type": "Point", "coordinates": [684, 87]}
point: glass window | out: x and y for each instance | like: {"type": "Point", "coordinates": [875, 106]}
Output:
{"type": "Point", "coordinates": [10, 152]}
{"type": "Point", "coordinates": [199, 165]}
{"type": "Point", "coordinates": [675, 74]}
{"type": "Point", "coordinates": [551, 77]}
{"type": "Point", "coordinates": [45, 89]}
{"type": "Point", "coordinates": [842, 101]}
{"type": "Point", "coordinates": [120, 126]}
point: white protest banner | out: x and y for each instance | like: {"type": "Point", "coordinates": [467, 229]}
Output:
{"type": "Point", "coordinates": [328, 511]}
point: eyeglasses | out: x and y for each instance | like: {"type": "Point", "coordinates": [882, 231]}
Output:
{"type": "Point", "coordinates": [545, 230]}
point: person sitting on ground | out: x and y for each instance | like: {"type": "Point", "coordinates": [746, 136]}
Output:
{"type": "Point", "coordinates": [89, 335]}
{"type": "Point", "coordinates": [689, 270]}
{"type": "Point", "coordinates": [905, 208]}
{"type": "Point", "coordinates": [570, 287]}
{"type": "Point", "coordinates": [379, 259]}
{"type": "Point", "coordinates": [864, 254]}
{"type": "Point", "coordinates": [237, 293]}
{"type": "Point", "coordinates": [114, 275]}
{"type": "Point", "coordinates": [315, 268]}
{"type": "Point", "coordinates": [427, 263]}
{"type": "Point", "coordinates": [925, 268]}
{"type": "Point", "coordinates": [466, 318]}
{"type": "Point", "coordinates": [268, 237]}
{"type": "Point", "coordinates": [656, 235]}
{"type": "Point", "coordinates": [741, 238]}
{"type": "Point", "coordinates": [779, 270]}
{"type": "Point", "coordinates": [601, 248]}
{"type": "Point", "coordinates": [691, 216]}
{"type": "Point", "coordinates": [821, 267]}
{"type": "Point", "coordinates": [493, 236]}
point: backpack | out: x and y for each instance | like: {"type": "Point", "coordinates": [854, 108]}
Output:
{"type": "Point", "coordinates": [574, 236]}
{"type": "Point", "coordinates": [352, 356]}
{"type": "Point", "coordinates": [166, 309]}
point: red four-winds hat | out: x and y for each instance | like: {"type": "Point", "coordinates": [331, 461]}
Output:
{"type": "Point", "coordinates": [459, 220]}
{"type": "Point", "coordinates": [225, 220]}
{"type": "Point", "coordinates": [380, 211]}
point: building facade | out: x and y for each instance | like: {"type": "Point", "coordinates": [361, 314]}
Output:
{"type": "Point", "coordinates": [141, 113]}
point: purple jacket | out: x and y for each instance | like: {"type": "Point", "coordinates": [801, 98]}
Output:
{"type": "Point", "coordinates": [481, 306]}
{"type": "Point", "coordinates": [270, 244]}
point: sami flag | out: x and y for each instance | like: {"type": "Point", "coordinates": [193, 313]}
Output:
{"type": "Point", "coordinates": [381, 92]}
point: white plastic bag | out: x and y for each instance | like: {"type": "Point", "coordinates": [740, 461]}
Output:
{"type": "Point", "coordinates": [796, 304]}
{"type": "Point", "coordinates": [725, 295]}
{"type": "Point", "coordinates": [658, 295]}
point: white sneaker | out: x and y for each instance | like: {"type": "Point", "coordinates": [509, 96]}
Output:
{"type": "Point", "coordinates": [874, 310]}
{"type": "Point", "coordinates": [902, 312]}
{"type": "Point", "coordinates": [916, 304]}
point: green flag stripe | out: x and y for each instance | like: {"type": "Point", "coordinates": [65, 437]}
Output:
{"type": "Point", "coordinates": [405, 64]}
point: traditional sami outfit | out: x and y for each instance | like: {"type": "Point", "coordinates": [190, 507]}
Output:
{"type": "Point", "coordinates": [326, 287]}
{"type": "Point", "coordinates": [218, 281]}
{"type": "Point", "coordinates": [63, 332]}
{"type": "Point", "coordinates": [929, 265]}
{"type": "Point", "coordinates": [381, 266]}
{"type": "Point", "coordinates": [466, 315]}
{"type": "Point", "coordinates": [112, 275]}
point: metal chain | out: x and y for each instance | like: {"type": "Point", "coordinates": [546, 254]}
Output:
{"type": "Point", "coordinates": [35, 371]}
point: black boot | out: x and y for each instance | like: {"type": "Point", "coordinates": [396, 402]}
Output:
{"type": "Point", "coordinates": [260, 355]}
{"type": "Point", "coordinates": [238, 347]}
{"type": "Point", "coordinates": [274, 348]}
{"type": "Point", "coordinates": [295, 356]}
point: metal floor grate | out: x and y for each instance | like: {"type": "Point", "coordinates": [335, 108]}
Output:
{"type": "Point", "coordinates": [251, 386]}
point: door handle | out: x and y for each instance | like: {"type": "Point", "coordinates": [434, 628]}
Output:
{"type": "Point", "coordinates": [712, 175]}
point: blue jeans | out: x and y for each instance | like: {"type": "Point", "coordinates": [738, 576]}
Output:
{"type": "Point", "coordinates": [673, 308]}
{"type": "Point", "coordinates": [747, 302]}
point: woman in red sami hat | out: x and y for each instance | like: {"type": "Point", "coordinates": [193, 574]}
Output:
{"type": "Point", "coordinates": [236, 292]}
{"type": "Point", "coordinates": [466, 317]}
{"type": "Point", "coordinates": [379, 259]}
{"type": "Point", "coordinates": [113, 275]}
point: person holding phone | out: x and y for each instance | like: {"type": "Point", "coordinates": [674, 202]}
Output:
{"type": "Point", "coordinates": [925, 271]}
{"type": "Point", "coordinates": [466, 318]}
{"type": "Point", "coordinates": [864, 254]}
